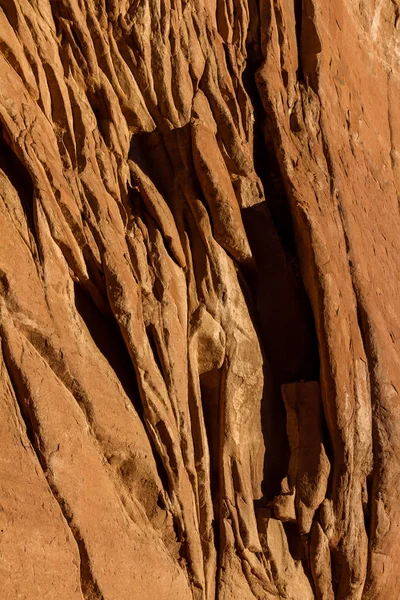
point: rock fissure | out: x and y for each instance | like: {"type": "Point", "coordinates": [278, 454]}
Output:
{"type": "Point", "coordinates": [89, 586]}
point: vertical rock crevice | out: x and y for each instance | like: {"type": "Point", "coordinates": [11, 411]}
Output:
{"type": "Point", "coordinates": [89, 587]}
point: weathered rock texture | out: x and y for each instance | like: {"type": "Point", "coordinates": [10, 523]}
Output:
{"type": "Point", "coordinates": [199, 318]}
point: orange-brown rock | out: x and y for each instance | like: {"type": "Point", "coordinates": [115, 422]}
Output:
{"type": "Point", "coordinates": [199, 299]}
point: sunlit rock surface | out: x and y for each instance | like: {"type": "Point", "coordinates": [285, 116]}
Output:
{"type": "Point", "coordinates": [199, 299]}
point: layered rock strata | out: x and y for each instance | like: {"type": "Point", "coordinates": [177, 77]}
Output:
{"type": "Point", "coordinates": [199, 308]}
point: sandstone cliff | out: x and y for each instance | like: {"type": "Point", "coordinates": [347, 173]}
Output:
{"type": "Point", "coordinates": [199, 310]}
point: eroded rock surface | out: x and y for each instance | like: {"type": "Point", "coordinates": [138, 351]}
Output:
{"type": "Point", "coordinates": [199, 309]}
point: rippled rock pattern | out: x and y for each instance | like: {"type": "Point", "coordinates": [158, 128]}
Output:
{"type": "Point", "coordinates": [200, 299]}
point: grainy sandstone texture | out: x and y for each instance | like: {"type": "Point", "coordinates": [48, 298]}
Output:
{"type": "Point", "coordinates": [200, 299]}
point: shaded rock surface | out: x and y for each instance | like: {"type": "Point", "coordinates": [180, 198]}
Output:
{"type": "Point", "coordinates": [199, 299]}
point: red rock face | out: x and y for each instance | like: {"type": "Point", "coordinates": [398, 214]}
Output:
{"type": "Point", "coordinates": [199, 310]}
